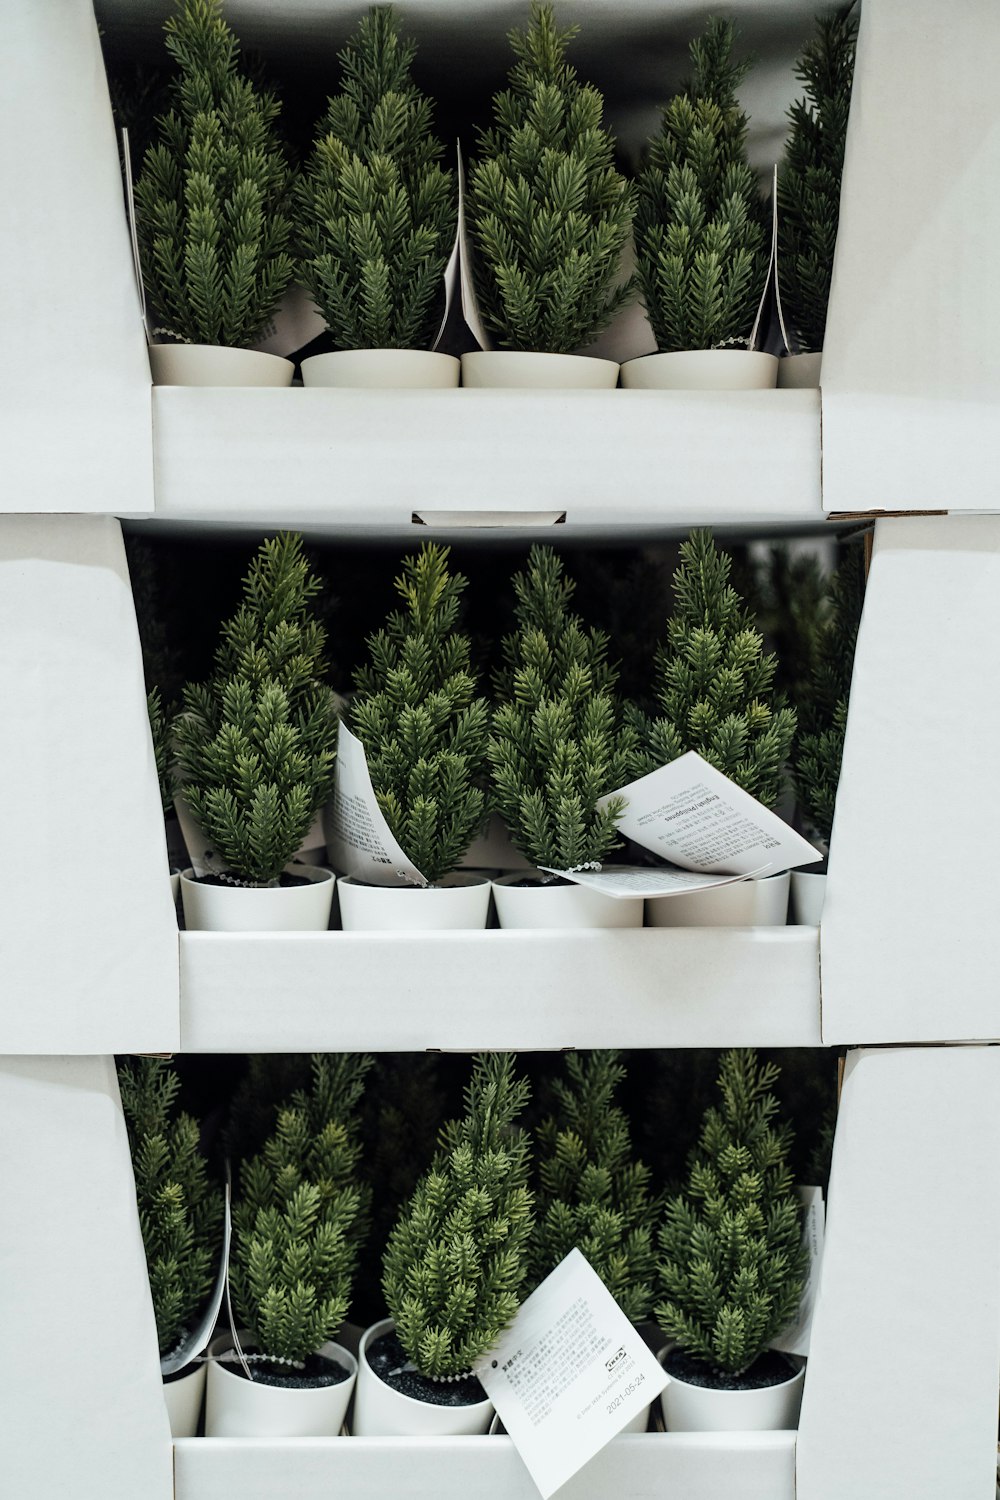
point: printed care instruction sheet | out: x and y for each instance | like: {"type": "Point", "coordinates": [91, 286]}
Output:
{"type": "Point", "coordinates": [695, 818]}
{"type": "Point", "coordinates": [568, 1373]}
{"type": "Point", "coordinates": [359, 840]}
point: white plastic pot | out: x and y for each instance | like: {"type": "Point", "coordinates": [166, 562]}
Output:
{"type": "Point", "coordinates": [551, 372]}
{"type": "Point", "coordinates": [184, 1397]}
{"type": "Point", "coordinates": [379, 1411]}
{"type": "Point", "coordinates": [461, 900]}
{"type": "Point", "coordinates": [698, 1408]}
{"type": "Point", "coordinates": [702, 370]}
{"type": "Point", "coordinates": [808, 895]}
{"type": "Point", "coordinates": [798, 372]}
{"type": "Point", "coordinates": [231, 908]}
{"type": "Point", "coordinates": [237, 1407]}
{"type": "Point", "coordinates": [559, 905]}
{"type": "Point", "coordinates": [211, 364]}
{"type": "Point", "coordinates": [382, 369]}
{"type": "Point", "coordinates": [742, 903]}
{"type": "Point", "coordinates": [175, 885]}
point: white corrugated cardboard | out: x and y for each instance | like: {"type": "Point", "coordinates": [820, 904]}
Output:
{"type": "Point", "coordinates": [911, 370]}
{"type": "Point", "coordinates": [910, 935]}
{"type": "Point", "coordinates": [80, 1390]}
{"type": "Point", "coordinates": [75, 388]}
{"type": "Point", "coordinates": [89, 935]}
{"type": "Point", "coordinates": [465, 991]}
{"type": "Point", "coordinates": [900, 1399]}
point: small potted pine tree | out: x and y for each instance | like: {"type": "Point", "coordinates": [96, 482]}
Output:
{"type": "Point", "coordinates": [212, 215]}
{"type": "Point", "coordinates": [732, 1265]}
{"type": "Point", "coordinates": [180, 1216]}
{"type": "Point", "coordinates": [453, 1271]}
{"type": "Point", "coordinates": [714, 689]}
{"type": "Point", "coordinates": [809, 192]}
{"type": "Point", "coordinates": [549, 217]}
{"type": "Point", "coordinates": [300, 1215]}
{"type": "Point", "coordinates": [256, 746]}
{"type": "Point", "coordinates": [375, 217]}
{"type": "Point", "coordinates": [700, 238]}
{"type": "Point", "coordinates": [557, 745]}
{"type": "Point", "coordinates": [822, 710]}
{"type": "Point", "coordinates": [424, 728]}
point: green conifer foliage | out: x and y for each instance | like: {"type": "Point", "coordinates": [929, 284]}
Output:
{"type": "Point", "coordinates": [416, 712]}
{"type": "Point", "coordinates": [159, 727]}
{"type": "Point", "coordinates": [301, 1216]}
{"type": "Point", "coordinates": [375, 212]}
{"type": "Point", "coordinates": [701, 245]}
{"type": "Point", "coordinates": [548, 214]}
{"type": "Point", "coordinates": [809, 180]}
{"type": "Point", "coordinates": [212, 195]}
{"type": "Point", "coordinates": [557, 742]}
{"type": "Point", "coordinates": [180, 1210]}
{"type": "Point", "coordinates": [731, 1256]}
{"type": "Point", "coordinates": [590, 1192]}
{"type": "Point", "coordinates": [256, 743]}
{"type": "Point", "coordinates": [823, 705]}
{"type": "Point", "coordinates": [456, 1260]}
{"type": "Point", "coordinates": [713, 681]}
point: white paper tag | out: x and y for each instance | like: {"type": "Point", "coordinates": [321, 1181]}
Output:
{"type": "Point", "coordinates": [452, 275]}
{"type": "Point", "coordinates": [629, 881]}
{"type": "Point", "coordinates": [130, 210]}
{"type": "Point", "coordinates": [770, 263]}
{"type": "Point", "coordinates": [359, 841]}
{"type": "Point", "coordinates": [795, 1338]}
{"type": "Point", "coordinates": [467, 281]}
{"type": "Point", "coordinates": [198, 1339]}
{"type": "Point", "coordinates": [774, 260]}
{"type": "Point", "coordinates": [568, 1373]}
{"type": "Point", "coordinates": [695, 817]}
{"type": "Point", "coordinates": [296, 322]}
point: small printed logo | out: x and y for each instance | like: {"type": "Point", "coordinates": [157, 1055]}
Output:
{"type": "Point", "coordinates": [615, 1360]}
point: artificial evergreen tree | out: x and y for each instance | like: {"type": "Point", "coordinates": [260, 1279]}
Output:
{"type": "Point", "coordinates": [713, 682]}
{"type": "Point", "coordinates": [557, 743]}
{"type": "Point", "coordinates": [159, 728]}
{"type": "Point", "coordinates": [590, 1192]}
{"type": "Point", "coordinates": [809, 179]}
{"type": "Point", "coordinates": [301, 1215]}
{"type": "Point", "coordinates": [256, 743]}
{"type": "Point", "coordinates": [548, 213]}
{"type": "Point", "coordinates": [701, 245]}
{"type": "Point", "coordinates": [213, 194]}
{"type": "Point", "coordinates": [375, 212]}
{"type": "Point", "coordinates": [456, 1260]}
{"type": "Point", "coordinates": [416, 712]}
{"type": "Point", "coordinates": [823, 703]}
{"type": "Point", "coordinates": [180, 1208]}
{"type": "Point", "coordinates": [731, 1259]}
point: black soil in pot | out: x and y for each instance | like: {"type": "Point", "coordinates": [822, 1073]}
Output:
{"type": "Point", "coordinates": [544, 882]}
{"type": "Point", "coordinates": [318, 1370]}
{"type": "Point", "coordinates": [285, 882]}
{"type": "Point", "coordinates": [388, 1360]}
{"type": "Point", "coordinates": [769, 1368]}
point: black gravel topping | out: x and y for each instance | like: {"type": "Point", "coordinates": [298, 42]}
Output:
{"type": "Point", "coordinates": [769, 1368]}
{"type": "Point", "coordinates": [387, 1359]}
{"type": "Point", "coordinates": [285, 881]}
{"type": "Point", "coordinates": [317, 1370]}
{"type": "Point", "coordinates": [544, 881]}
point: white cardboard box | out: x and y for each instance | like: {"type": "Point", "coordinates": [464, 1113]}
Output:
{"type": "Point", "coordinates": [910, 936]}
{"type": "Point", "coordinates": [74, 387]}
{"type": "Point", "coordinates": [911, 364]}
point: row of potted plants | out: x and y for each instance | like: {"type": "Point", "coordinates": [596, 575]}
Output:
{"type": "Point", "coordinates": [367, 226]}
{"type": "Point", "coordinates": [250, 757]}
{"type": "Point", "coordinates": [719, 1263]}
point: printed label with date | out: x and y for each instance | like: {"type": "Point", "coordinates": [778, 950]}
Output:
{"type": "Point", "coordinates": [359, 840]}
{"type": "Point", "coordinates": [568, 1373]}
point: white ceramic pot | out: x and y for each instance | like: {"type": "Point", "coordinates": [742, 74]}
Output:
{"type": "Point", "coordinates": [382, 369]}
{"type": "Point", "coordinates": [184, 1397]}
{"type": "Point", "coordinates": [175, 885]}
{"type": "Point", "coordinates": [461, 900]}
{"type": "Point", "coordinates": [379, 1411]}
{"type": "Point", "coordinates": [702, 370]}
{"type": "Point", "coordinates": [698, 1408]}
{"type": "Point", "coordinates": [211, 364]}
{"type": "Point", "coordinates": [231, 908]}
{"type": "Point", "coordinates": [808, 895]}
{"type": "Point", "coordinates": [237, 1407]}
{"type": "Point", "coordinates": [558, 905]}
{"type": "Point", "coordinates": [743, 903]}
{"type": "Point", "coordinates": [510, 369]}
{"type": "Point", "coordinates": [798, 372]}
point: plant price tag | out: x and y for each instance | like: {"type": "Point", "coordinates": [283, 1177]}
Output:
{"type": "Point", "coordinates": [795, 1338]}
{"type": "Point", "coordinates": [626, 882]}
{"type": "Point", "coordinates": [692, 815]}
{"type": "Point", "coordinates": [568, 1373]}
{"type": "Point", "coordinates": [359, 840]}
